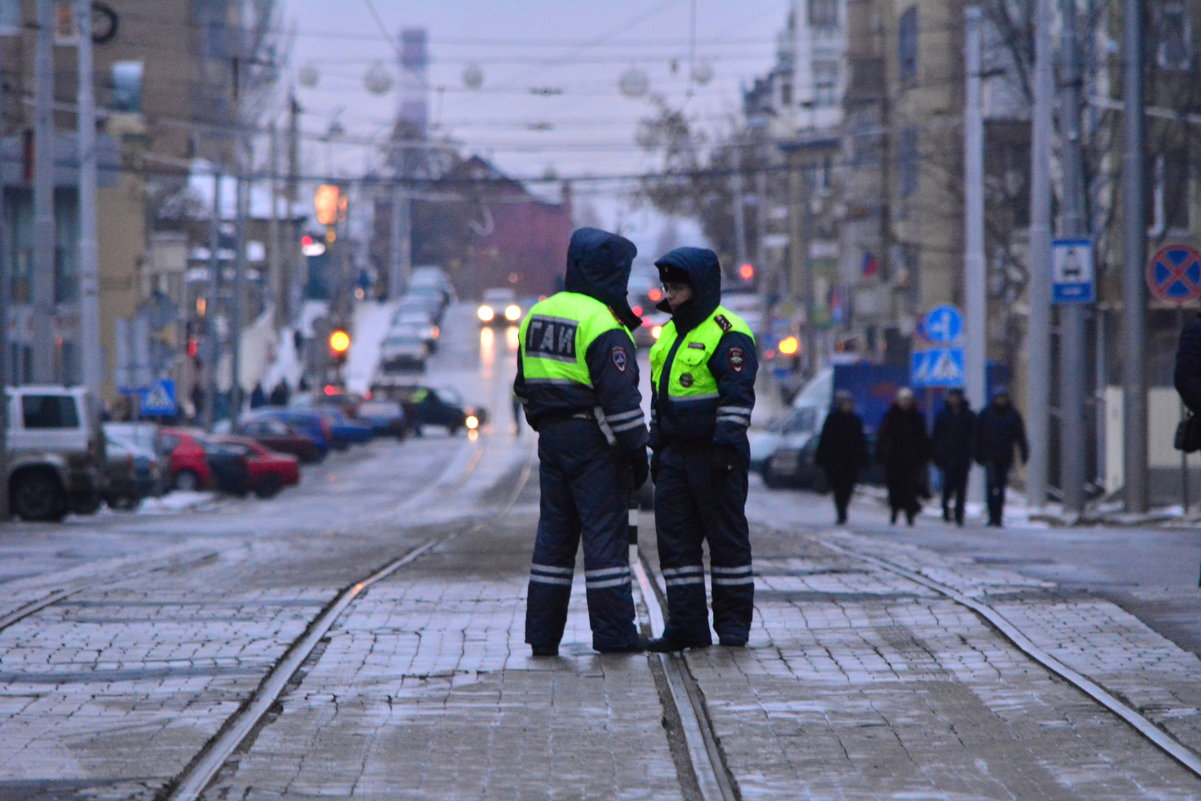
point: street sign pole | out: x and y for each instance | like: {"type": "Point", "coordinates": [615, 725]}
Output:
{"type": "Point", "coordinates": [975, 283]}
{"type": "Point", "coordinates": [1174, 276]}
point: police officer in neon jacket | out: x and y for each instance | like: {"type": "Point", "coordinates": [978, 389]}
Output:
{"type": "Point", "coordinates": [703, 389]}
{"type": "Point", "coordinates": [578, 383]}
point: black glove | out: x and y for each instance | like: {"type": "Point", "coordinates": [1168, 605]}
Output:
{"type": "Point", "coordinates": [656, 463]}
{"type": "Point", "coordinates": [638, 469]}
{"type": "Point", "coordinates": [722, 461]}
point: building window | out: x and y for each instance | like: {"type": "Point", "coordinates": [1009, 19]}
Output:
{"type": "Point", "coordinates": [22, 270]}
{"type": "Point", "coordinates": [907, 166]}
{"type": "Point", "coordinates": [825, 83]}
{"type": "Point", "coordinates": [785, 92]}
{"type": "Point", "coordinates": [823, 13]}
{"type": "Point", "coordinates": [1175, 49]}
{"type": "Point", "coordinates": [907, 44]}
{"type": "Point", "coordinates": [865, 142]}
{"type": "Point", "coordinates": [1168, 189]}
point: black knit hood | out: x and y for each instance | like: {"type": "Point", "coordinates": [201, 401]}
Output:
{"type": "Point", "coordinates": [701, 269]}
{"type": "Point", "coordinates": [598, 265]}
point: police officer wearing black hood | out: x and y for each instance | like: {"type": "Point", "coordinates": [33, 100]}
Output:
{"type": "Point", "coordinates": [703, 389]}
{"type": "Point", "coordinates": [578, 382]}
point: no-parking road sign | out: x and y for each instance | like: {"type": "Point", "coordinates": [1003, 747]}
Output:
{"type": "Point", "coordinates": [1174, 274]}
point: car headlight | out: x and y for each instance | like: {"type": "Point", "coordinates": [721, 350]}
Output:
{"type": "Point", "coordinates": [485, 313]}
{"type": "Point", "coordinates": [512, 312]}
{"type": "Point", "coordinates": [472, 422]}
{"type": "Point", "coordinates": [656, 331]}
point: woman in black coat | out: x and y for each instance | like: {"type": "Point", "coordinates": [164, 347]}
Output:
{"type": "Point", "coordinates": [904, 449]}
{"type": "Point", "coordinates": [842, 451]}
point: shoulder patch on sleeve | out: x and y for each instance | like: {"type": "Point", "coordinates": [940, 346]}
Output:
{"type": "Point", "coordinates": [723, 323]}
{"type": "Point", "coordinates": [620, 358]}
{"type": "Point", "coordinates": [737, 359]}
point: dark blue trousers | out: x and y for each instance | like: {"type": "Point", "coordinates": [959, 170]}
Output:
{"type": "Point", "coordinates": [691, 507]}
{"type": "Point", "coordinates": [584, 495]}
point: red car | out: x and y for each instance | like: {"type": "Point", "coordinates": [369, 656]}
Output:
{"type": "Point", "coordinates": [270, 471]}
{"type": "Point", "coordinates": [189, 469]}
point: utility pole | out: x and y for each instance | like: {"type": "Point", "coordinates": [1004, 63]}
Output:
{"type": "Point", "coordinates": [275, 265]}
{"type": "Point", "coordinates": [89, 279]}
{"type": "Point", "coordinates": [43, 199]}
{"type": "Point", "coordinates": [1134, 304]}
{"type": "Point", "coordinates": [240, 159]}
{"type": "Point", "coordinates": [292, 195]}
{"type": "Point", "coordinates": [1038, 334]}
{"type": "Point", "coordinates": [975, 288]}
{"type": "Point", "coordinates": [212, 334]}
{"type": "Point", "coordinates": [1072, 316]}
{"type": "Point", "coordinates": [5, 305]}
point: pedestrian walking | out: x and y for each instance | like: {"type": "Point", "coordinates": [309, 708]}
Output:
{"type": "Point", "coordinates": [257, 396]}
{"type": "Point", "coordinates": [904, 449]}
{"type": "Point", "coordinates": [842, 451]}
{"type": "Point", "coordinates": [703, 370]}
{"type": "Point", "coordinates": [951, 449]}
{"type": "Point", "coordinates": [578, 382]}
{"type": "Point", "coordinates": [999, 430]}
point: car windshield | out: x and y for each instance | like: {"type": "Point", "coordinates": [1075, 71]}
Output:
{"type": "Point", "coordinates": [449, 396]}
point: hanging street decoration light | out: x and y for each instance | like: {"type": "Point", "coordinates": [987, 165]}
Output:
{"type": "Point", "coordinates": [308, 75]}
{"type": "Point", "coordinates": [633, 83]}
{"type": "Point", "coordinates": [378, 79]}
{"type": "Point", "coordinates": [473, 76]}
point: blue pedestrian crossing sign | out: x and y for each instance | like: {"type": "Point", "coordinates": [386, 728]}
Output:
{"type": "Point", "coordinates": [158, 399]}
{"type": "Point", "coordinates": [940, 367]}
{"type": "Point", "coordinates": [943, 325]}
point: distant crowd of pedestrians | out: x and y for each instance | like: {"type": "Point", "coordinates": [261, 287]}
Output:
{"type": "Point", "coordinates": [991, 438]}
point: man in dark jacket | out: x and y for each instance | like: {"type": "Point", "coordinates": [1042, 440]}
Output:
{"type": "Point", "coordinates": [951, 447]}
{"type": "Point", "coordinates": [703, 389]}
{"type": "Point", "coordinates": [842, 451]}
{"type": "Point", "coordinates": [1188, 366]}
{"type": "Point", "coordinates": [903, 447]}
{"type": "Point", "coordinates": [999, 429]}
{"type": "Point", "coordinates": [578, 382]}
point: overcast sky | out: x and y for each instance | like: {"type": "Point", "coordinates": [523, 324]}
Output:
{"type": "Point", "coordinates": [577, 47]}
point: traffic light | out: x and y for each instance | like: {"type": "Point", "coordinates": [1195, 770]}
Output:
{"type": "Point", "coordinates": [339, 344]}
{"type": "Point", "coordinates": [746, 272]}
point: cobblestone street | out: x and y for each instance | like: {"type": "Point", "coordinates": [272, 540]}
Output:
{"type": "Point", "coordinates": [858, 683]}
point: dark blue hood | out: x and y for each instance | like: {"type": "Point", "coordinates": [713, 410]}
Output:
{"type": "Point", "coordinates": [699, 266]}
{"type": "Point", "coordinates": [598, 265]}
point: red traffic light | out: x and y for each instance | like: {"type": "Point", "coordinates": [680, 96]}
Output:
{"type": "Point", "coordinates": [746, 272]}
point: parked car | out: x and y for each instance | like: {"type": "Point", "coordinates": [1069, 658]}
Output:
{"type": "Point", "coordinates": [304, 421]}
{"type": "Point", "coordinates": [229, 467]}
{"type": "Point", "coordinates": [429, 406]}
{"type": "Point", "coordinates": [278, 436]}
{"type": "Point", "coordinates": [56, 452]}
{"type": "Point", "coordinates": [385, 417]}
{"type": "Point", "coordinates": [121, 477]}
{"type": "Point", "coordinates": [198, 463]}
{"type": "Point", "coordinates": [188, 468]}
{"type": "Point", "coordinates": [270, 471]}
{"type": "Point", "coordinates": [134, 473]}
{"type": "Point", "coordinates": [344, 431]}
